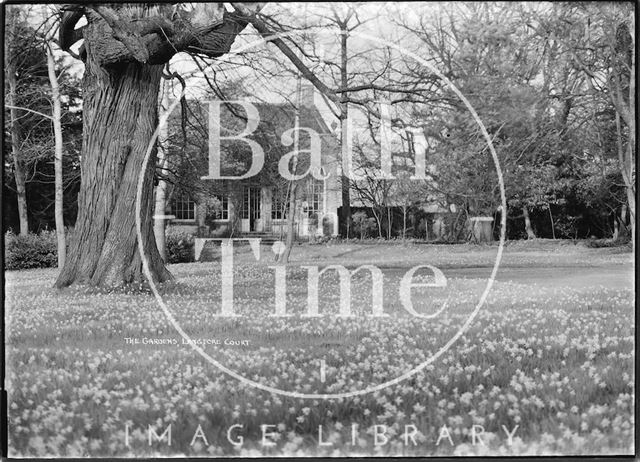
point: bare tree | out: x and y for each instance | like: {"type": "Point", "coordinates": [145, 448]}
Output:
{"type": "Point", "coordinates": [16, 59]}
{"type": "Point", "coordinates": [59, 151]}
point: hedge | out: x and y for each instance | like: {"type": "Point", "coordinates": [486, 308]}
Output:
{"type": "Point", "coordinates": [30, 251]}
{"type": "Point", "coordinates": [40, 250]}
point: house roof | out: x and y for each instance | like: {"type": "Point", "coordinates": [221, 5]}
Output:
{"type": "Point", "coordinates": [273, 121]}
{"type": "Point", "coordinates": [273, 117]}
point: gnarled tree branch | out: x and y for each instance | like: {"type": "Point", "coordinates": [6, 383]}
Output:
{"type": "Point", "coordinates": [115, 36]}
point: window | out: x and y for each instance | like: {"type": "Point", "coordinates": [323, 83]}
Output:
{"type": "Point", "coordinates": [279, 204]}
{"type": "Point", "coordinates": [251, 204]}
{"type": "Point", "coordinates": [222, 208]}
{"type": "Point", "coordinates": [315, 196]}
{"type": "Point", "coordinates": [183, 207]}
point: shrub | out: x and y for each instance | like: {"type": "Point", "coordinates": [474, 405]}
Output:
{"type": "Point", "coordinates": [30, 251]}
{"type": "Point", "coordinates": [624, 241]}
{"type": "Point", "coordinates": [180, 247]}
{"type": "Point", "coordinates": [363, 225]}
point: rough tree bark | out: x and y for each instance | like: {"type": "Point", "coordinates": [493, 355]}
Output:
{"type": "Point", "coordinates": [124, 49]}
{"type": "Point", "coordinates": [120, 116]}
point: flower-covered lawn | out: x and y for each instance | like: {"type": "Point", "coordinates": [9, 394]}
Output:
{"type": "Point", "coordinates": [546, 367]}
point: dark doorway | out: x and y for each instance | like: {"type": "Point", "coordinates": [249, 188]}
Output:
{"type": "Point", "coordinates": [251, 207]}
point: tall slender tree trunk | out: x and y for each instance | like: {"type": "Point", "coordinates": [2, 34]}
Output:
{"type": "Point", "coordinates": [21, 192]}
{"type": "Point", "coordinates": [345, 182]}
{"type": "Point", "coordinates": [378, 220]}
{"type": "Point", "coordinates": [291, 221]}
{"type": "Point", "coordinates": [626, 159]}
{"type": "Point", "coordinates": [527, 223]}
{"type": "Point", "coordinates": [120, 116]}
{"type": "Point", "coordinates": [57, 131]}
{"type": "Point", "coordinates": [627, 112]}
{"type": "Point", "coordinates": [631, 184]}
{"type": "Point", "coordinates": [291, 216]}
{"type": "Point", "coordinates": [553, 226]}
{"type": "Point", "coordinates": [404, 223]}
{"type": "Point", "coordinates": [620, 223]}
{"type": "Point", "coordinates": [159, 228]}
{"type": "Point", "coordinates": [623, 218]}
{"type": "Point", "coordinates": [18, 164]}
{"type": "Point", "coordinates": [235, 199]}
{"type": "Point", "coordinates": [161, 189]}
{"type": "Point", "coordinates": [631, 199]}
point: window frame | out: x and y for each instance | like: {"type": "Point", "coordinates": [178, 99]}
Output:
{"type": "Point", "coordinates": [224, 212]}
{"type": "Point", "coordinates": [315, 197]}
{"type": "Point", "coordinates": [178, 208]}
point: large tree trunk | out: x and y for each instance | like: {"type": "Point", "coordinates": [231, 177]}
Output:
{"type": "Point", "coordinates": [527, 223]}
{"type": "Point", "coordinates": [57, 130]}
{"type": "Point", "coordinates": [18, 164]}
{"type": "Point", "coordinates": [120, 117]}
{"type": "Point", "coordinates": [124, 49]}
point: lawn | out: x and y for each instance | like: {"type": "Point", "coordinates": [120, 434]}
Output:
{"type": "Point", "coordinates": [546, 367]}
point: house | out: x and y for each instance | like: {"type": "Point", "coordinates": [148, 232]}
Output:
{"type": "Point", "coordinates": [257, 206]}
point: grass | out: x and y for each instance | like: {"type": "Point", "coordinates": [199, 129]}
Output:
{"type": "Point", "coordinates": [550, 353]}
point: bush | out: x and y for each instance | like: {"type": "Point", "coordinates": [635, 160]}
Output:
{"type": "Point", "coordinates": [40, 250]}
{"type": "Point", "coordinates": [624, 241]}
{"type": "Point", "coordinates": [30, 251]}
{"type": "Point", "coordinates": [363, 225]}
{"type": "Point", "coordinates": [180, 247]}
